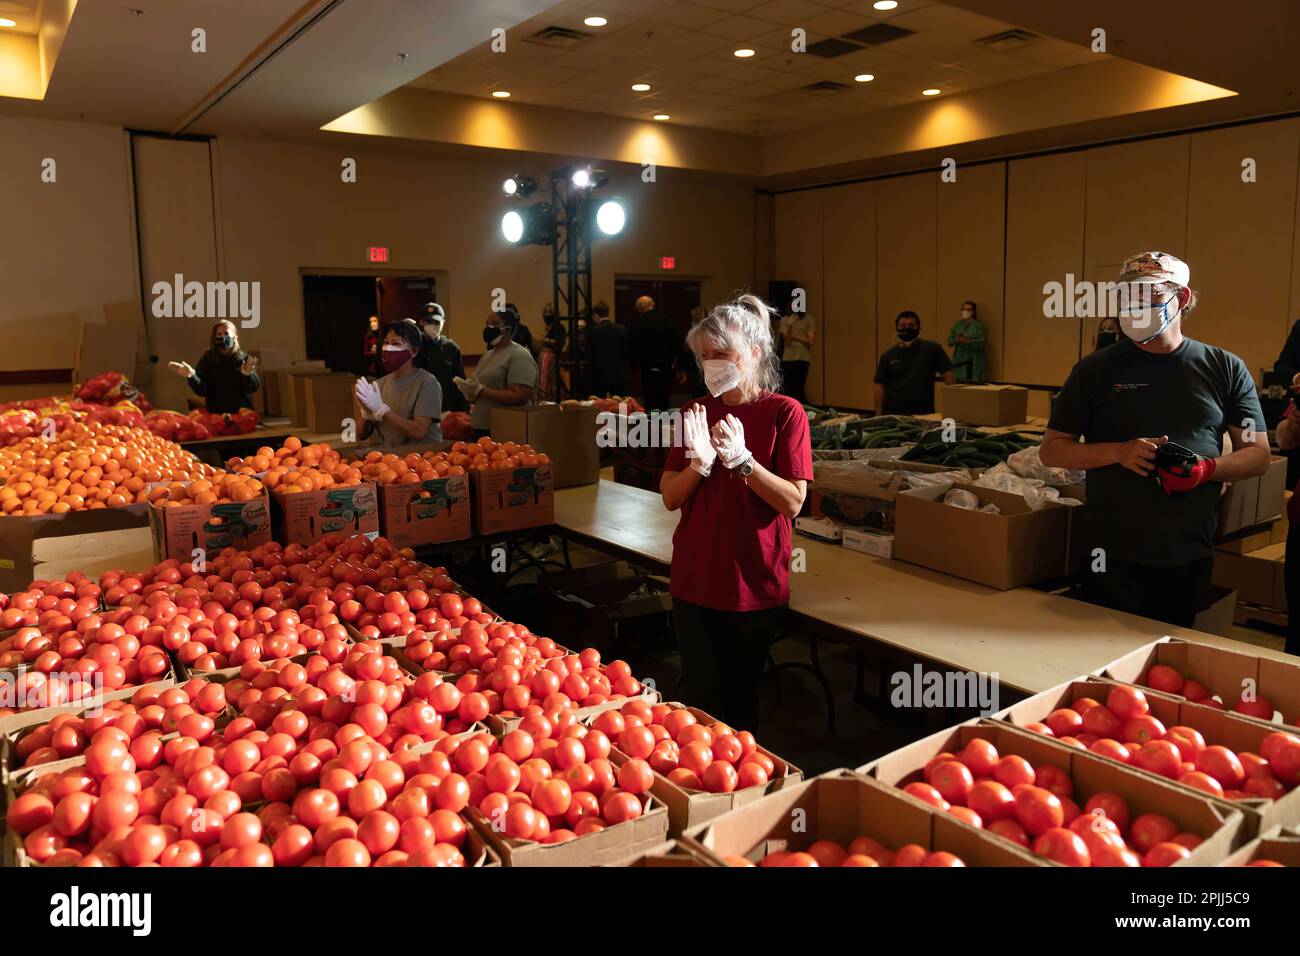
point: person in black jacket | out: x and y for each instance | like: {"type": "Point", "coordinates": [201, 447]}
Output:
{"type": "Point", "coordinates": [658, 348]}
{"type": "Point", "coordinates": [1288, 362]}
{"type": "Point", "coordinates": [607, 351]}
{"type": "Point", "coordinates": [441, 356]}
{"type": "Point", "coordinates": [226, 377]}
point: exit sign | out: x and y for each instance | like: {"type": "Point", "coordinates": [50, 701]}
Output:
{"type": "Point", "coordinates": [377, 254]}
{"type": "Point", "coordinates": [668, 262]}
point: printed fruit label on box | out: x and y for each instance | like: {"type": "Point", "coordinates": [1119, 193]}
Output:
{"type": "Point", "coordinates": [180, 530]}
{"type": "Point", "coordinates": [432, 511]}
{"type": "Point", "coordinates": [515, 498]}
{"type": "Point", "coordinates": [526, 484]}
{"type": "Point", "coordinates": [310, 515]}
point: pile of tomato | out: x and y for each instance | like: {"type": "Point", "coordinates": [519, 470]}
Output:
{"type": "Point", "coordinates": [1169, 680]}
{"type": "Point", "coordinates": [1124, 730]}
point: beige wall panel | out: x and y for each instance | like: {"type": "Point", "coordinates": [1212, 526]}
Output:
{"type": "Point", "coordinates": [66, 247]}
{"type": "Point", "coordinates": [972, 230]}
{"type": "Point", "coordinates": [799, 257]}
{"type": "Point", "coordinates": [906, 255]}
{"type": "Point", "coordinates": [1045, 235]}
{"type": "Point", "coordinates": [1239, 238]}
{"type": "Point", "coordinates": [177, 236]}
{"type": "Point", "coordinates": [848, 324]}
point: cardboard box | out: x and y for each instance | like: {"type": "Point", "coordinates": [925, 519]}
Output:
{"type": "Point", "coordinates": [16, 724]}
{"type": "Point", "coordinates": [689, 808]}
{"type": "Point", "coordinates": [611, 845]}
{"type": "Point", "coordinates": [293, 388]}
{"type": "Point", "coordinates": [984, 404]}
{"type": "Point", "coordinates": [1258, 577]}
{"type": "Point", "coordinates": [566, 433]}
{"type": "Point", "coordinates": [1217, 727]}
{"type": "Point", "coordinates": [613, 606]}
{"type": "Point", "coordinates": [671, 854]}
{"type": "Point", "coordinates": [429, 512]}
{"type": "Point", "coordinates": [1016, 547]}
{"type": "Point", "coordinates": [841, 806]}
{"type": "Point", "coordinates": [1280, 846]}
{"type": "Point", "coordinates": [1224, 673]}
{"type": "Point", "coordinates": [1247, 544]}
{"type": "Point", "coordinates": [824, 529]}
{"type": "Point", "coordinates": [1254, 500]}
{"type": "Point", "coordinates": [1279, 528]}
{"type": "Point", "coordinates": [876, 545]}
{"type": "Point", "coordinates": [17, 535]}
{"type": "Point", "coordinates": [1218, 617]}
{"type": "Point", "coordinates": [509, 499]}
{"type": "Point", "coordinates": [307, 516]}
{"type": "Point", "coordinates": [180, 530]}
{"type": "Point", "coordinates": [328, 400]}
{"type": "Point", "coordinates": [864, 493]}
{"type": "Point", "coordinates": [1217, 821]}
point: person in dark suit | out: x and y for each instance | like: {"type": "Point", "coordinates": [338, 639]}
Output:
{"type": "Point", "coordinates": [607, 351]}
{"type": "Point", "coordinates": [658, 347]}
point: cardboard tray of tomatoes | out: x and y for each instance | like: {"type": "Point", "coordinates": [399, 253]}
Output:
{"type": "Point", "coordinates": [688, 807]}
{"type": "Point", "coordinates": [501, 726]}
{"type": "Point", "coordinates": [1237, 732]}
{"type": "Point", "coordinates": [842, 806]}
{"type": "Point", "coordinates": [1277, 847]}
{"type": "Point", "coordinates": [1223, 673]}
{"type": "Point", "coordinates": [1220, 825]}
{"type": "Point", "coordinates": [610, 845]}
{"type": "Point", "coordinates": [40, 715]}
{"type": "Point", "coordinates": [671, 854]}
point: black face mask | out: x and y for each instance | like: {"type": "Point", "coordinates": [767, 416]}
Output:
{"type": "Point", "coordinates": [491, 333]}
{"type": "Point", "coordinates": [908, 334]}
{"type": "Point", "coordinates": [225, 342]}
{"type": "Point", "coordinates": [1106, 338]}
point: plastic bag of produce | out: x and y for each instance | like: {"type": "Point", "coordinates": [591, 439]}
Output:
{"type": "Point", "coordinates": [923, 479]}
{"type": "Point", "coordinates": [961, 498]}
{"type": "Point", "coordinates": [1028, 464]}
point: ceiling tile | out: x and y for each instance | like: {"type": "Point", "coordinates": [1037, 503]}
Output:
{"type": "Point", "coordinates": [739, 28]}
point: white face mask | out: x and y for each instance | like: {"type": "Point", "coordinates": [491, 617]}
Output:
{"type": "Point", "coordinates": [967, 314]}
{"type": "Point", "coordinates": [1144, 323]}
{"type": "Point", "coordinates": [720, 376]}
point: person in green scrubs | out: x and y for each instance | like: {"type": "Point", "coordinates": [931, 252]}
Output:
{"type": "Point", "coordinates": [967, 343]}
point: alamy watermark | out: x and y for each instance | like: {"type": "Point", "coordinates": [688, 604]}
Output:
{"type": "Point", "coordinates": [208, 300]}
{"type": "Point", "coordinates": [957, 690]}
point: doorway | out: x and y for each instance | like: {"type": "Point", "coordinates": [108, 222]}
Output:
{"type": "Point", "coordinates": [337, 310]}
{"type": "Point", "coordinates": [675, 298]}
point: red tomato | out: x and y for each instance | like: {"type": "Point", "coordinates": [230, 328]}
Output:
{"type": "Point", "coordinates": [635, 776]}
{"type": "Point", "coordinates": [1159, 756]}
{"type": "Point", "coordinates": [1101, 722]}
{"type": "Point", "coordinates": [1202, 781]}
{"type": "Point", "coordinates": [639, 742]}
{"type": "Point", "coordinates": [1112, 806]}
{"type": "Point", "coordinates": [1053, 778]}
{"type": "Point", "coordinates": [551, 797]}
{"type": "Point", "coordinates": [1188, 740]}
{"type": "Point", "coordinates": [967, 815]}
{"type": "Point", "coordinates": [1143, 729]}
{"type": "Point", "coordinates": [1013, 770]}
{"type": "Point", "coordinates": [1010, 829]}
{"type": "Point", "coordinates": [1064, 722]}
{"type": "Point", "coordinates": [1150, 829]}
{"type": "Point", "coordinates": [911, 855]}
{"type": "Point", "coordinates": [620, 807]}
{"type": "Point", "coordinates": [720, 777]}
{"type": "Point", "coordinates": [1038, 810]}
{"type": "Point", "coordinates": [1222, 764]}
{"type": "Point", "coordinates": [1127, 702]}
{"type": "Point", "coordinates": [1064, 846]}
{"type": "Point", "coordinates": [942, 858]}
{"type": "Point", "coordinates": [1162, 677]}
{"type": "Point", "coordinates": [953, 780]}
{"type": "Point", "coordinates": [1165, 854]}
{"type": "Point", "coordinates": [927, 794]}
{"type": "Point", "coordinates": [992, 801]}
{"type": "Point", "coordinates": [980, 756]}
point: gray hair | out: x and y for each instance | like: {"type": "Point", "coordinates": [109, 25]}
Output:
{"type": "Point", "coordinates": [740, 325]}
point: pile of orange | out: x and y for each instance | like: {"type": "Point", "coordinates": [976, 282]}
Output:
{"type": "Point", "coordinates": [295, 467]}
{"type": "Point", "coordinates": [90, 465]}
{"type": "Point", "coordinates": [390, 469]}
{"type": "Point", "coordinates": [486, 453]}
{"type": "Point", "coordinates": [222, 487]}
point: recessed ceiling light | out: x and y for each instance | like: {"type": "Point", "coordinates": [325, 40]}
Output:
{"type": "Point", "coordinates": [641, 87]}
{"type": "Point", "coordinates": [595, 21]}
{"type": "Point", "coordinates": [504, 94]}
{"type": "Point", "coordinates": [885, 4]}
{"type": "Point", "coordinates": [864, 77]}
{"type": "Point", "coordinates": [931, 92]}
{"type": "Point", "coordinates": [744, 52]}
{"type": "Point", "coordinates": [6, 22]}
{"type": "Point", "coordinates": [662, 117]}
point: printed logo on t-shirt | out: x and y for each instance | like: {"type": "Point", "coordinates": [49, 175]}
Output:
{"type": "Point", "coordinates": [1129, 386]}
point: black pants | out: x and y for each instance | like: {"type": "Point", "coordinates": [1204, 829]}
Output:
{"type": "Point", "coordinates": [722, 658]}
{"type": "Point", "coordinates": [1174, 595]}
{"type": "Point", "coordinates": [1293, 589]}
{"type": "Point", "coordinates": [611, 389]}
{"type": "Point", "coordinates": [658, 386]}
{"type": "Point", "coordinates": [794, 376]}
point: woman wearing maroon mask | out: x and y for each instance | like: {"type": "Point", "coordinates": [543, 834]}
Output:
{"type": "Point", "coordinates": [406, 404]}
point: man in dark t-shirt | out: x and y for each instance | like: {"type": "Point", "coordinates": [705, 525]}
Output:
{"type": "Point", "coordinates": [905, 376]}
{"type": "Point", "coordinates": [1149, 520]}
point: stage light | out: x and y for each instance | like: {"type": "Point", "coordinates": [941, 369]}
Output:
{"type": "Point", "coordinates": [611, 217]}
{"type": "Point", "coordinates": [581, 177]}
{"type": "Point", "coordinates": [529, 225]}
{"type": "Point", "coordinates": [519, 186]}
{"type": "Point", "coordinates": [512, 226]}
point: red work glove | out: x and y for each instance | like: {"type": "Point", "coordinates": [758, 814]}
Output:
{"type": "Point", "coordinates": [1184, 477]}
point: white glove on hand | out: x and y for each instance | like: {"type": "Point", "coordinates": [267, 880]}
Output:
{"type": "Point", "coordinates": [729, 440]}
{"type": "Point", "coordinates": [695, 436]}
{"type": "Point", "coordinates": [468, 387]}
{"type": "Point", "coordinates": [372, 405]}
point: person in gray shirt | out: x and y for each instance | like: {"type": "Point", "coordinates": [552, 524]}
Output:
{"type": "Point", "coordinates": [406, 404]}
{"type": "Point", "coordinates": [506, 375]}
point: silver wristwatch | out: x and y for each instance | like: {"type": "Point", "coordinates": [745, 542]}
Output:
{"type": "Point", "coordinates": [746, 468]}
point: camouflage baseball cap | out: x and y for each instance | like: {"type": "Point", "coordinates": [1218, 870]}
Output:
{"type": "Point", "coordinates": [1153, 267]}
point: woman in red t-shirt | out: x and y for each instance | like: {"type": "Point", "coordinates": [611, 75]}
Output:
{"type": "Point", "coordinates": [739, 476]}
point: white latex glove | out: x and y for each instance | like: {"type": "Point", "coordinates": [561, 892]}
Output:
{"type": "Point", "coordinates": [372, 405]}
{"type": "Point", "coordinates": [695, 436]}
{"type": "Point", "coordinates": [729, 440]}
{"type": "Point", "coordinates": [183, 369]}
{"type": "Point", "coordinates": [468, 387]}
